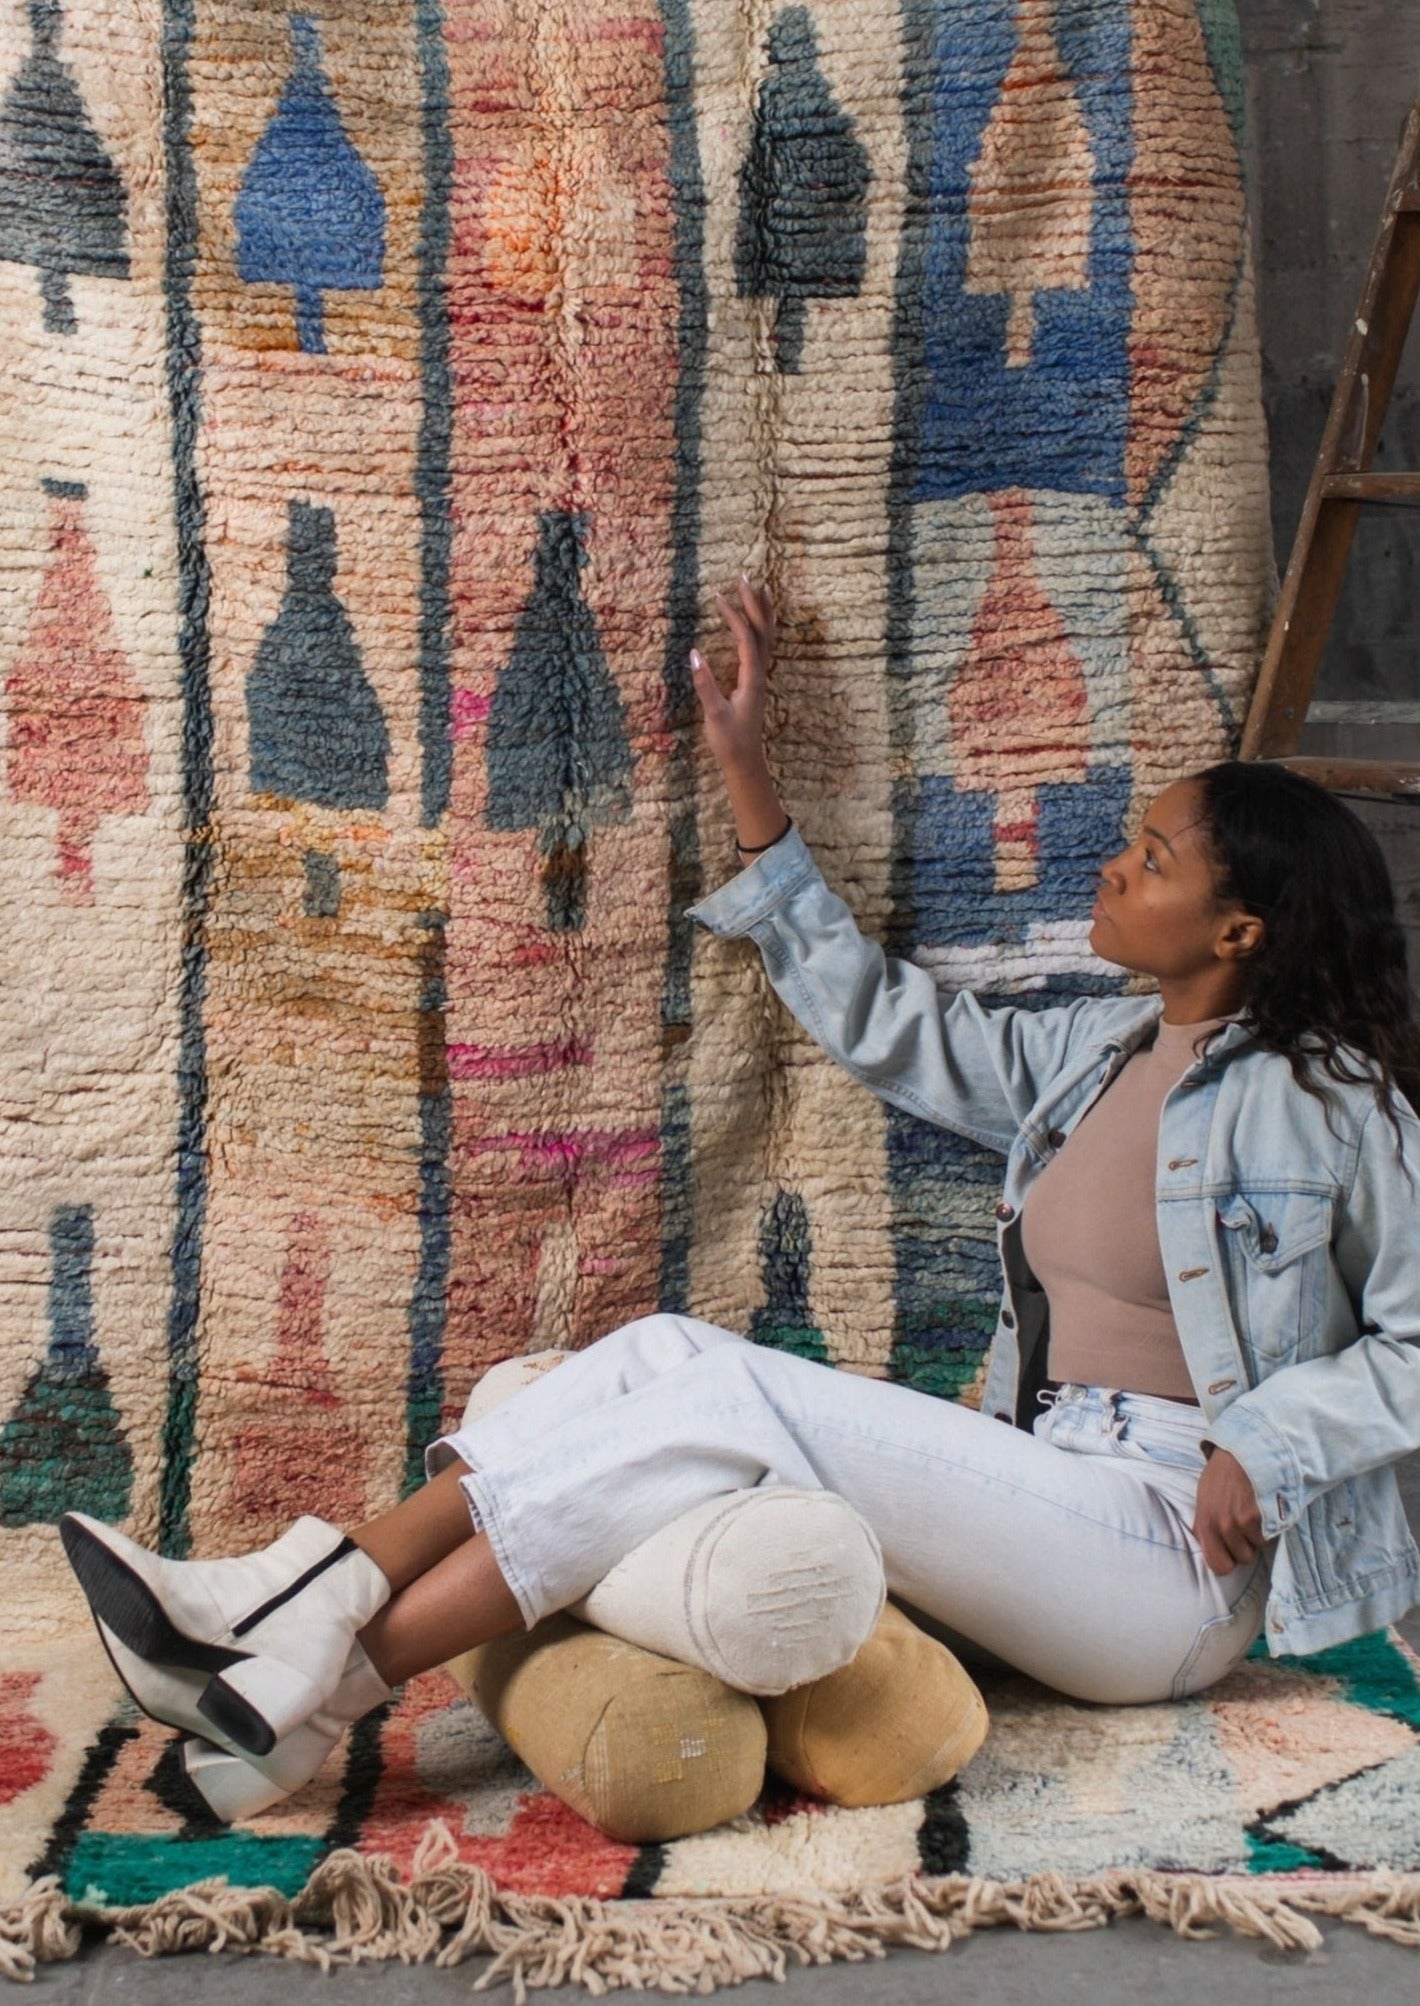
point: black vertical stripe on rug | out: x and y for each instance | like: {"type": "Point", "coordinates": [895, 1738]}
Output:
{"type": "Point", "coordinates": [364, 1766]}
{"type": "Point", "coordinates": [682, 613]}
{"type": "Point", "coordinates": [944, 1837]}
{"type": "Point", "coordinates": [99, 1758]}
{"type": "Point", "coordinates": [183, 343]}
{"type": "Point", "coordinates": [424, 1390]}
{"type": "Point", "coordinates": [646, 1870]}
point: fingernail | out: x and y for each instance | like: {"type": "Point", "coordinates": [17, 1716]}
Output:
{"type": "Point", "coordinates": [695, 662]}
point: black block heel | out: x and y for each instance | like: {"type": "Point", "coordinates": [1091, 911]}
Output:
{"type": "Point", "coordinates": [236, 1717]}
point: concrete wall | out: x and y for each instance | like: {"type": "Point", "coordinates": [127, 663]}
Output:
{"type": "Point", "coordinates": [1329, 84]}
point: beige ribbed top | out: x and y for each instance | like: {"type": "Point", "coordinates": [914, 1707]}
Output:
{"type": "Point", "coordinates": [1091, 1234]}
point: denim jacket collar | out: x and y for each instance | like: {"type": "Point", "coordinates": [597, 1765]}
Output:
{"type": "Point", "coordinates": [1232, 1038]}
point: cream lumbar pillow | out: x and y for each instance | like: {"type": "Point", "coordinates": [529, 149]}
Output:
{"type": "Point", "coordinates": [764, 1588]}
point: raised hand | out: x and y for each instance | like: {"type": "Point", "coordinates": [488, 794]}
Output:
{"type": "Point", "coordinates": [734, 718]}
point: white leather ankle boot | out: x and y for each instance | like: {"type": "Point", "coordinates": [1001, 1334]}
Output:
{"type": "Point", "coordinates": [237, 1786]}
{"type": "Point", "coordinates": [269, 1633]}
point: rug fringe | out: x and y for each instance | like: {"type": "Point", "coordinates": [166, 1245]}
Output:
{"type": "Point", "coordinates": [356, 1909]}
{"type": "Point", "coordinates": [38, 1929]}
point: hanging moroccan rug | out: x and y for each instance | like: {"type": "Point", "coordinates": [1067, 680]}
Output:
{"type": "Point", "coordinates": [384, 389]}
{"type": "Point", "coordinates": [1290, 1791]}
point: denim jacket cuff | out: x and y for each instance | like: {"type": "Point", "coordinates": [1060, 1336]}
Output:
{"type": "Point", "coordinates": [750, 896]}
{"type": "Point", "coordinates": [1267, 1458]}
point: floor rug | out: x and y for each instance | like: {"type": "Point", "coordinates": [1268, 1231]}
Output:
{"type": "Point", "coordinates": [1289, 1791]}
{"type": "Point", "coordinates": [385, 386]}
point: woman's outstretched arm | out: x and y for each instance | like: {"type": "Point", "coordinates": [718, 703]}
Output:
{"type": "Point", "coordinates": [946, 1058]}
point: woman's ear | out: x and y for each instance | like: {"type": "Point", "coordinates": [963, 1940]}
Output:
{"type": "Point", "coordinates": [1242, 935]}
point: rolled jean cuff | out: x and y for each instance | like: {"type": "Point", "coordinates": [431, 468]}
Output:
{"type": "Point", "coordinates": [439, 1454]}
{"type": "Point", "coordinates": [483, 1511]}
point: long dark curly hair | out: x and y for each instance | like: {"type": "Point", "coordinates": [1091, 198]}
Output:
{"type": "Point", "coordinates": [1329, 983]}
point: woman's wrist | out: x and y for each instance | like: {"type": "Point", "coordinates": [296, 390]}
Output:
{"type": "Point", "coordinates": [747, 769]}
{"type": "Point", "coordinates": [758, 849]}
{"type": "Point", "coordinates": [760, 831]}
{"type": "Point", "coordinates": [760, 816]}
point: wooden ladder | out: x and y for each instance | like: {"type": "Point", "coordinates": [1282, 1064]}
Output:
{"type": "Point", "coordinates": [1342, 483]}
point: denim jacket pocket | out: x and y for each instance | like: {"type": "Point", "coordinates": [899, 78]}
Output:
{"type": "Point", "coordinates": [1275, 1251]}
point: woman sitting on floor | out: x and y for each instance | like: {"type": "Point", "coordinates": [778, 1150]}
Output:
{"type": "Point", "coordinates": [1206, 1363]}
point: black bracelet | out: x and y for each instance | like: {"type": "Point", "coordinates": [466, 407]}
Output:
{"type": "Point", "coordinates": [758, 849]}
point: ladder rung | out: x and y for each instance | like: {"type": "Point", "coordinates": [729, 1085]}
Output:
{"type": "Point", "coordinates": [1377, 712]}
{"type": "Point", "coordinates": [1388, 779]}
{"type": "Point", "coordinates": [1397, 490]}
{"type": "Point", "coordinates": [1409, 199]}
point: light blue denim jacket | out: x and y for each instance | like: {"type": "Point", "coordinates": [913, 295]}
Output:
{"type": "Point", "coordinates": [1291, 1243]}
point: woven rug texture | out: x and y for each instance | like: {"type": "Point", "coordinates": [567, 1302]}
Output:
{"type": "Point", "coordinates": [385, 388]}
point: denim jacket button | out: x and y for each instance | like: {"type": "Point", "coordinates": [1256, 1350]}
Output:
{"type": "Point", "coordinates": [1008, 1321]}
{"type": "Point", "coordinates": [1005, 1213]}
{"type": "Point", "coordinates": [1056, 1138]}
{"type": "Point", "coordinates": [1007, 1418]}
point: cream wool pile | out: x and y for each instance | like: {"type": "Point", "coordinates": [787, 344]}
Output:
{"type": "Point", "coordinates": [385, 388]}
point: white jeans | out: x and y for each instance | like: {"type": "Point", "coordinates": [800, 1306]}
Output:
{"type": "Point", "coordinates": [1068, 1553]}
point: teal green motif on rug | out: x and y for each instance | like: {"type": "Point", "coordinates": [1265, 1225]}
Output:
{"type": "Point", "coordinates": [63, 1448]}
{"type": "Point", "coordinates": [1275, 1856]}
{"type": "Point", "coordinates": [119, 1870]}
{"type": "Point", "coordinates": [1223, 38]}
{"type": "Point", "coordinates": [1372, 1670]}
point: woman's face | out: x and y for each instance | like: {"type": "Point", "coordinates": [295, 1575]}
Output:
{"type": "Point", "coordinates": [1157, 911]}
